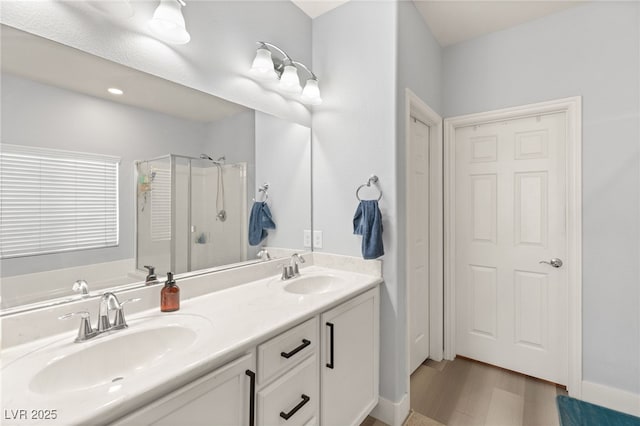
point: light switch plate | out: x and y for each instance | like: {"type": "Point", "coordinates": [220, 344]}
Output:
{"type": "Point", "coordinates": [307, 238]}
{"type": "Point", "coordinates": [317, 239]}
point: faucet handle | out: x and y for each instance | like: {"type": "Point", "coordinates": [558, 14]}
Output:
{"type": "Point", "coordinates": [82, 314]}
{"type": "Point", "coordinates": [119, 321]}
{"type": "Point", "coordinates": [85, 331]}
{"type": "Point", "coordinates": [287, 271]}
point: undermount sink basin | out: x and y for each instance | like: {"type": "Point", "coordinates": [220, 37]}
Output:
{"type": "Point", "coordinates": [119, 355]}
{"type": "Point", "coordinates": [313, 284]}
{"type": "Point", "coordinates": [110, 360]}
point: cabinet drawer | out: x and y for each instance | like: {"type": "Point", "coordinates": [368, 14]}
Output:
{"type": "Point", "coordinates": [286, 350]}
{"type": "Point", "coordinates": [294, 395]}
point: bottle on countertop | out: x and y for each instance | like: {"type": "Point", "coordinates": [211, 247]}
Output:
{"type": "Point", "coordinates": [170, 295]}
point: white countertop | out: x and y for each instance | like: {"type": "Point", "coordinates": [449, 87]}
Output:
{"type": "Point", "coordinates": [233, 321]}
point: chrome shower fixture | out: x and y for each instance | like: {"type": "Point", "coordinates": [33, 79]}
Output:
{"type": "Point", "coordinates": [222, 213]}
{"type": "Point", "coordinates": [219, 161]}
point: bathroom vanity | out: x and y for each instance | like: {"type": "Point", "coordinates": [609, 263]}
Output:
{"type": "Point", "coordinates": [246, 348]}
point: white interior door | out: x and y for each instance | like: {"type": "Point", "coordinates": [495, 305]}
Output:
{"type": "Point", "coordinates": [510, 214]}
{"type": "Point", "coordinates": [418, 236]}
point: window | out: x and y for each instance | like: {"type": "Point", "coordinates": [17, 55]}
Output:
{"type": "Point", "coordinates": [55, 201]}
{"type": "Point", "coordinates": [160, 204]}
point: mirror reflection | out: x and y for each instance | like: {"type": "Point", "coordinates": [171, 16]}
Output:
{"type": "Point", "coordinates": [190, 167]}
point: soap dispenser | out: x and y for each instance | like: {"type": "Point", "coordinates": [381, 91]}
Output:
{"type": "Point", "coordinates": [170, 295]}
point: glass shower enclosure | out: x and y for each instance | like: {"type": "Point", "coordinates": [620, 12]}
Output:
{"type": "Point", "coordinates": [191, 213]}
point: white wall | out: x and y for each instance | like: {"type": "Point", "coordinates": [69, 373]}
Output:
{"type": "Point", "coordinates": [216, 60]}
{"type": "Point", "coordinates": [88, 124]}
{"type": "Point", "coordinates": [283, 150]}
{"type": "Point", "coordinates": [594, 51]}
{"type": "Point", "coordinates": [354, 133]}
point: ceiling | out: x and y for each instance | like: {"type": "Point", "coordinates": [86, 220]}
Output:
{"type": "Point", "coordinates": [454, 21]}
{"type": "Point", "coordinates": [56, 64]}
{"type": "Point", "coordinates": [315, 8]}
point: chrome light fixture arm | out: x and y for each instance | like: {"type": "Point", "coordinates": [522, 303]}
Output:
{"type": "Point", "coordinates": [278, 64]}
{"type": "Point", "coordinates": [306, 68]}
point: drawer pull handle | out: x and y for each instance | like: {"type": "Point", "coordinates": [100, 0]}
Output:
{"type": "Point", "coordinates": [330, 363]}
{"type": "Point", "coordinates": [252, 395]}
{"type": "Point", "coordinates": [295, 409]}
{"type": "Point", "coordinates": [288, 355]}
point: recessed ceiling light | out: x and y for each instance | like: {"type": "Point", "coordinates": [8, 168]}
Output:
{"type": "Point", "coordinates": [115, 91]}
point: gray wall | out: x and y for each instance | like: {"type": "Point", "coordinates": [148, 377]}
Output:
{"type": "Point", "coordinates": [354, 133]}
{"type": "Point", "coordinates": [284, 152]}
{"type": "Point", "coordinates": [420, 70]}
{"type": "Point", "coordinates": [40, 115]}
{"type": "Point", "coordinates": [593, 51]}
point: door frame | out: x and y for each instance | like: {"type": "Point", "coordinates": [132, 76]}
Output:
{"type": "Point", "coordinates": [572, 107]}
{"type": "Point", "coordinates": [416, 107]}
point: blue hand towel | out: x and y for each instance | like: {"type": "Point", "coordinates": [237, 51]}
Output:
{"type": "Point", "coordinates": [367, 222]}
{"type": "Point", "coordinates": [259, 221]}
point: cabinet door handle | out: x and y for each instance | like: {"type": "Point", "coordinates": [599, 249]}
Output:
{"type": "Point", "coordinates": [252, 395]}
{"type": "Point", "coordinates": [330, 363]}
{"type": "Point", "coordinates": [295, 409]}
{"type": "Point", "coordinates": [288, 355]}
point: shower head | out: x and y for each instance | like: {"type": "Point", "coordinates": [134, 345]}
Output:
{"type": "Point", "coordinates": [219, 162]}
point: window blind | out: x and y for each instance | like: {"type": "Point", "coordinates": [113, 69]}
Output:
{"type": "Point", "coordinates": [160, 204]}
{"type": "Point", "coordinates": [55, 201]}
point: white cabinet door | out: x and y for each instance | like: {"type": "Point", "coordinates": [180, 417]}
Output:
{"type": "Point", "coordinates": [349, 360]}
{"type": "Point", "coordinates": [222, 398]}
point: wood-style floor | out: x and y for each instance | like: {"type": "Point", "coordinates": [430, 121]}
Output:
{"type": "Point", "coordinates": [466, 392]}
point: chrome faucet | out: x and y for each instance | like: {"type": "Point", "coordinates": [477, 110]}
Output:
{"type": "Point", "coordinates": [263, 255]}
{"type": "Point", "coordinates": [108, 302]}
{"type": "Point", "coordinates": [151, 278]}
{"type": "Point", "coordinates": [81, 287]}
{"type": "Point", "coordinates": [292, 270]}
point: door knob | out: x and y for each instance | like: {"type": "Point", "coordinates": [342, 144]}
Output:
{"type": "Point", "coordinates": [555, 262]}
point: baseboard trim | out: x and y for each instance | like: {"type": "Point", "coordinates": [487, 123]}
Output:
{"type": "Point", "coordinates": [392, 413]}
{"type": "Point", "coordinates": [616, 399]}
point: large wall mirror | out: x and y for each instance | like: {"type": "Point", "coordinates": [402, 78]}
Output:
{"type": "Point", "coordinates": [188, 169]}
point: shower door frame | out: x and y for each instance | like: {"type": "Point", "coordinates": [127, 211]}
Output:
{"type": "Point", "coordinates": [172, 169]}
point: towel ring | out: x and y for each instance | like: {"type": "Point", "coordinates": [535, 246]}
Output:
{"type": "Point", "coordinates": [372, 179]}
{"type": "Point", "coordinates": [263, 189]}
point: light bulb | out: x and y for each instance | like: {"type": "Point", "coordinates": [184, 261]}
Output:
{"type": "Point", "coordinates": [262, 66]}
{"type": "Point", "coordinates": [311, 93]}
{"type": "Point", "coordinates": [168, 23]}
{"type": "Point", "coordinates": [289, 81]}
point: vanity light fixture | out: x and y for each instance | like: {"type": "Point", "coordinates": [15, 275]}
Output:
{"type": "Point", "coordinates": [266, 67]}
{"type": "Point", "coordinates": [168, 23]}
{"type": "Point", "coordinates": [115, 91]}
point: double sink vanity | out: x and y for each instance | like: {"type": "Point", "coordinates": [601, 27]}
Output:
{"type": "Point", "coordinates": [247, 347]}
